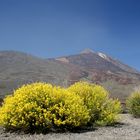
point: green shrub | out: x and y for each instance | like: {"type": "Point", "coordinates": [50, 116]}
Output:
{"type": "Point", "coordinates": [102, 109]}
{"type": "Point", "coordinates": [133, 104]}
{"type": "Point", "coordinates": [41, 106]}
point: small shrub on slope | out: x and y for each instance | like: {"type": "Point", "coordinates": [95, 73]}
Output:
{"type": "Point", "coordinates": [102, 109]}
{"type": "Point", "coordinates": [40, 106]}
{"type": "Point", "coordinates": [133, 104]}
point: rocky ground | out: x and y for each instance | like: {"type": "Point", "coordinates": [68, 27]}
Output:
{"type": "Point", "coordinates": [127, 129]}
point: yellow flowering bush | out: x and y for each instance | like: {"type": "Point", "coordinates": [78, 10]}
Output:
{"type": "Point", "coordinates": [41, 106]}
{"type": "Point", "coordinates": [102, 109]}
{"type": "Point", "coordinates": [133, 104]}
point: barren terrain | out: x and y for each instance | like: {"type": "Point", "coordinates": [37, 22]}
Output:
{"type": "Point", "coordinates": [128, 128]}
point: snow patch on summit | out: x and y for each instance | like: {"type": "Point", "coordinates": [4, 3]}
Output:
{"type": "Point", "coordinates": [103, 56]}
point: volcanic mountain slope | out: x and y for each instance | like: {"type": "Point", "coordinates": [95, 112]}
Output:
{"type": "Point", "coordinates": [118, 78]}
{"type": "Point", "coordinates": [101, 65]}
{"type": "Point", "coordinates": [18, 68]}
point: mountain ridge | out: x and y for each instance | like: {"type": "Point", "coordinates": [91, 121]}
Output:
{"type": "Point", "coordinates": [102, 55]}
{"type": "Point", "coordinates": [17, 68]}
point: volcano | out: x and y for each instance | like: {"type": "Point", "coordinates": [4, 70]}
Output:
{"type": "Point", "coordinates": [17, 68]}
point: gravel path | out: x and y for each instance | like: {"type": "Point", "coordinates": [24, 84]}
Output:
{"type": "Point", "coordinates": [128, 129]}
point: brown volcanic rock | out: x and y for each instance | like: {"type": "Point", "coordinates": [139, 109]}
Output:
{"type": "Point", "coordinates": [18, 68]}
{"type": "Point", "coordinates": [99, 68]}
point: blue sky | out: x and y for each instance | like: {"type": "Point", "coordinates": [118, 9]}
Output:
{"type": "Point", "coordinates": [53, 28]}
